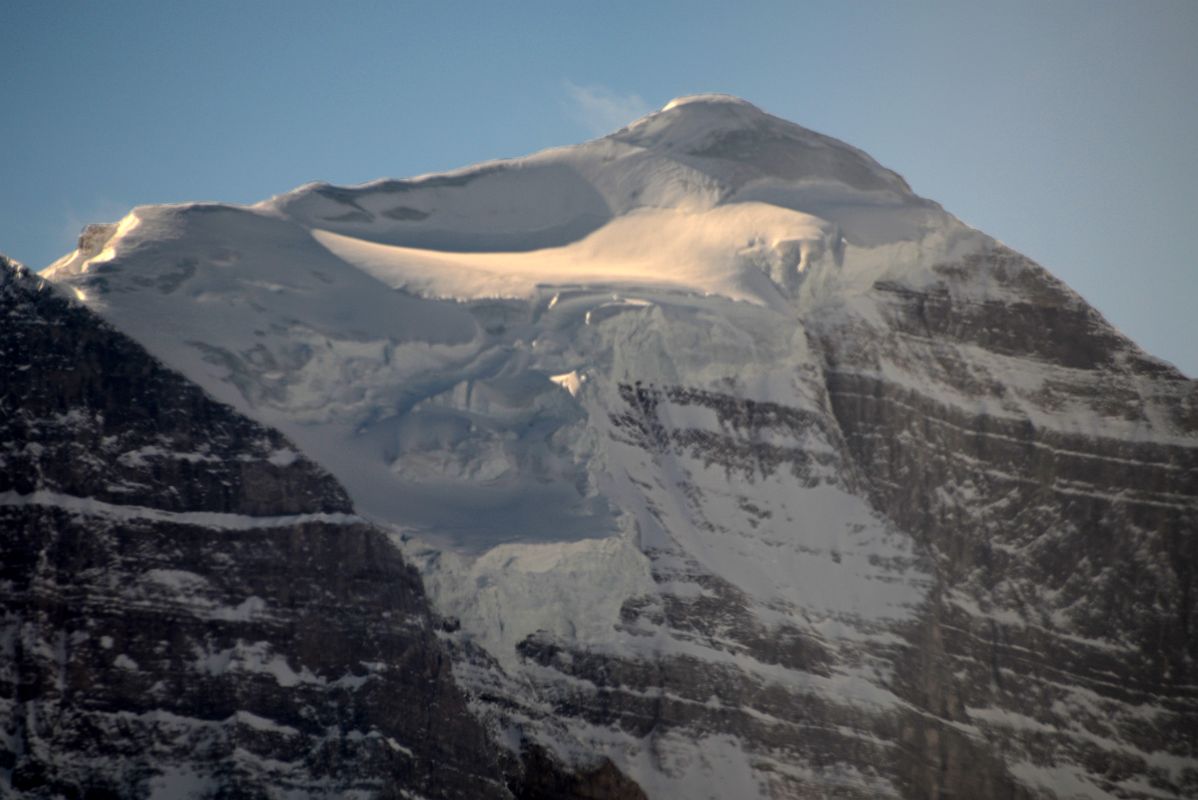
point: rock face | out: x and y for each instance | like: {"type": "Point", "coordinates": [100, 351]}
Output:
{"type": "Point", "coordinates": [190, 607]}
{"type": "Point", "coordinates": [1052, 650]}
{"type": "Point", "coordinates": [731, 468]}
{"type": "Point", "coordinates": [1062, 626]}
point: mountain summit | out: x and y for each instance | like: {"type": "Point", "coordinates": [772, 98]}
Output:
{"type": "Point", "coordinates": [714, 128]}
{"type": "Point", "coordinates": [731, 467]}
{"type": "Point", "coordinates": [708, 195]}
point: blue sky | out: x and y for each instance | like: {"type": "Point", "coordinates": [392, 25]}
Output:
{"type": "Point", "coordinates": [1069, 130]}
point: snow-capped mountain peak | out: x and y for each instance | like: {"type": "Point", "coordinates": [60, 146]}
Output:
{"type": "Point", "coordinates": [683, 120]}
{"type": "Point", "coordinates": [754, 145]}
{"type": "Point", "coordinates": [709, 195]}
{"type": "Point", "coordinates": [737, 455]}
{"type": "Point", "coordinates": [709, 98]}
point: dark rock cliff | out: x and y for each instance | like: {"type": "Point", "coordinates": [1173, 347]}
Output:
{"type": "Point", "coordinates": [1062, 619]}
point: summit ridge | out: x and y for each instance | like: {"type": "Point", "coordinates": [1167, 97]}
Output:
{"type": "Point", "coordinates": [707, 98]}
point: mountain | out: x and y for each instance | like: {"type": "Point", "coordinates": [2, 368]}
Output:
{"type": "Point", "coordinates": [730, 466]}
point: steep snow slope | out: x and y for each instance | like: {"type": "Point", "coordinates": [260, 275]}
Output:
{"type": "Point", "coordinates": [733, 458]}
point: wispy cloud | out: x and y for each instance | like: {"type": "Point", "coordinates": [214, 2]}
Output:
{"type": "Point", "coordinates": [602, 110]}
